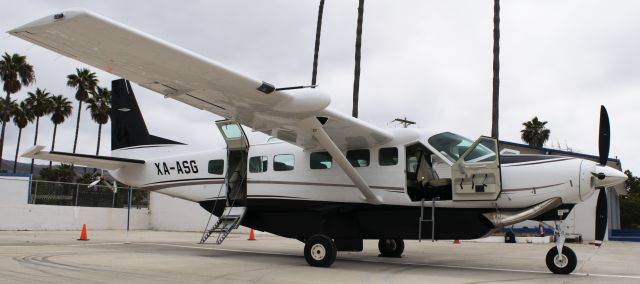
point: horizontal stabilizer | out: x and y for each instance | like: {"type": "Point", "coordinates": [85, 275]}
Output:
{"type": "Point", "coordinates": [100, 162]}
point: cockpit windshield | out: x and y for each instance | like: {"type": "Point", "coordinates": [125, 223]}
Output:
{"type": "Point", "coordinates": [452, 146]}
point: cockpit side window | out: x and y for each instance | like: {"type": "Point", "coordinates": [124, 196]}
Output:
{"type": "Point", "coordinates": [452, 146]}
{"type": "Point", "coordinates": [484, 152]}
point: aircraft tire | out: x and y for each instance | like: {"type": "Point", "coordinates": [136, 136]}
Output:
{"type": "Point", "coordinates": [320, 251]}
{"type": "Point", "coordinates": [391, 247]}
{"type": "Point", "coordinates": [564, 264]}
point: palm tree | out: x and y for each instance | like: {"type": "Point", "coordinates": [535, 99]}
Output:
{"type": "Point", "coordinates": [99, 105]}
{"type": "Point", "coordinates": [22, 115]}
{"type": "Point", "coordinates": [60, 109]}
{"type": "Point", "coordinates": [496, 69]}
{"type": "Point", "coordinates": [356, 77]}
{"type": "Point", "coordinates": [535, 133]}
{"type": "Point", "coordinates": [15, 72]}
{"type": "Point", "coordinates": [85, 82]}
{"type": "Point", "coordinates": [40, 104]}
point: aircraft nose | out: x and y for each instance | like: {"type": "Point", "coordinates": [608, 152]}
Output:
{"type": "Point", "coordinates": [608, 176]}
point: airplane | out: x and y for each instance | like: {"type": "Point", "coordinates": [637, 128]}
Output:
{"type": "Point", "coordinates": [325, 178]}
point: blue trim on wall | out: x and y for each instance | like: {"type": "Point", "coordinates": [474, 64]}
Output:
{"type": "Point", "coordinates": [625, 235]}
{"type": "Point", "coordinates": [547, 231]}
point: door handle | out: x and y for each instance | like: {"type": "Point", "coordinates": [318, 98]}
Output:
{"type": "Point", "coordinates": [476, 166]}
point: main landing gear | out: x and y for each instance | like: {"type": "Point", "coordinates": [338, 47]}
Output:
{"type": "Point", "coordinates": [320, 251]}
{"type": "Point", "coordinates": [391, 247]}
{"type": "Point", "coordinates": [561, 259]}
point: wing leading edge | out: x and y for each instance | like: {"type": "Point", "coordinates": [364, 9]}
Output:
{"type": "Point", "coordinates": [195, 80]}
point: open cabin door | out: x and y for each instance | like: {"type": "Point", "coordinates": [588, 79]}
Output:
{"type": "Point", "coordinates": [237, 151]}
{"type": "Point", "coordinates": [476, 175]}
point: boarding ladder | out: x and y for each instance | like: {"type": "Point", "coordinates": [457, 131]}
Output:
{"type": "Point", "coordinates": [432, 220]}
{"type": "Point", "coordinates": [228, 221]}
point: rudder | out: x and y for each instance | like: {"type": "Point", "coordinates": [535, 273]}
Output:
{"type": "Point", "coordinates": [128, 128]}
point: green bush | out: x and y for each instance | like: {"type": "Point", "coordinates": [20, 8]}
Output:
{"type": "Point", "coordinates": [630, 204]}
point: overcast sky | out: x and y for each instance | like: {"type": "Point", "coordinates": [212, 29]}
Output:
{"type": "Point", "coordinates": [430, 61]}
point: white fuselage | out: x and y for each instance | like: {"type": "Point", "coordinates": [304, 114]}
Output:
{"type": "Point", "coordinates": [180, 171]}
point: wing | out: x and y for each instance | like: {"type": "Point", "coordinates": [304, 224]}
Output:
{"type": "Point", "coordinates": [195, 80]}
{"type": "Point", "coordinates": [100, 162]}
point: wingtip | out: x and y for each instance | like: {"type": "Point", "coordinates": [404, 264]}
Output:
{"type": "Point", "coordinates": [31, 152]}
{"type": "Point", "coordinates": [50, 19]}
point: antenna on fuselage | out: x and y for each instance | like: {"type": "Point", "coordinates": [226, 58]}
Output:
{"type": "Point", "coordinates": [405, 123]}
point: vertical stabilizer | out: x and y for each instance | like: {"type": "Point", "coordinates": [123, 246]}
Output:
{"type": "Point", "coordinates": [128, 128]}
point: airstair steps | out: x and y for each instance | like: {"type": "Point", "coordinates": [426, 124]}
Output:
{"type": "Point", "coordinates": [228, 221]}
{"type": "Point", "coordinates": [432, 220]}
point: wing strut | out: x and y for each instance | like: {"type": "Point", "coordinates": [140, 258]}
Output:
{"type": "Point", "coordinates": [332, 148]}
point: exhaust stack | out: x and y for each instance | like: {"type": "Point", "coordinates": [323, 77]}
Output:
{"type": "Point", "coordinates": [503, 219]}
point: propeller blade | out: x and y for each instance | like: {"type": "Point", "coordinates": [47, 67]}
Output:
{"type": "Point", "coordinates": [604, 136]}
{"type": "Point", "coordinates": [601, 215]}
{"type": "Point", "coordinates": [92, 184]}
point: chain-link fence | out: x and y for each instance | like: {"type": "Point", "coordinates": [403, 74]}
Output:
{"type": "Point", "coordinates": [75, 194]}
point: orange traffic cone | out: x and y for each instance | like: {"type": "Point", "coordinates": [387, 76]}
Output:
{"type": "Point", "coordinates": [252, 237]}
{"type": "Point", "coordinates": [456, 242]}
{"type": "Point", "coordinates": [83, 234]}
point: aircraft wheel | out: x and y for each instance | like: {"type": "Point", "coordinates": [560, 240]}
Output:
{"type": "Point", "coordinates": [320, 251]}
{"type": "Point", "coordinates": [391, 247]}
{"type": "Point", "coordinates": [561, 264]}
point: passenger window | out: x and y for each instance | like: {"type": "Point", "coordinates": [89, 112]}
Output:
{"type": "Point", "coordinates": [283, 162]}
{"type": "Point", "coordinates": [320, 160]}
{"type": "Point", "coordinates": [388, 156]}
{"type": "Point", "coordinates": [358, 158]}
{"type": "Point", "coordinates": [216, 167]}
{"type": "Point", "coordinates": [258, 164]}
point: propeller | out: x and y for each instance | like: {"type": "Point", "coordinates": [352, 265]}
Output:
{"type": "Point", "coordinates": [601, 216]}
{"type": "Point", "coordinates": [604, 141]}
{"type": "Point", "coordinates": [94, 183]}
{"type": "Point", "coordinates": [99, 179]}
{"type": "Point", "coordinates": [604, 136]}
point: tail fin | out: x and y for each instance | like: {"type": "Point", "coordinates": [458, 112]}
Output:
{"type": "Point", "coordinates": [127, 124]}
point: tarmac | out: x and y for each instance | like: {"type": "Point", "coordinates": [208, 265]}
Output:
{"type": "Point", "coordinates": [175, 257]}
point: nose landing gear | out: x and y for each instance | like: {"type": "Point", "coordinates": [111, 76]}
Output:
{"type": "Point", "coordinates": [561, 259]}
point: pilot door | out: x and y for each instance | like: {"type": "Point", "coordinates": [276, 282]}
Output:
{"type": "Point", "coordinates": [237, 150]}
{"type": "Point", "coordinates": [476, 175]}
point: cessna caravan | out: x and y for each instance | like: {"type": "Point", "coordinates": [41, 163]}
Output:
{"type": "Point", "coordinates": [326, 179]}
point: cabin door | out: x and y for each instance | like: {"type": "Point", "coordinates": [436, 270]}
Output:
{"type": "Point", "coordinates": [476, 175]}
{"type": "Point", "coordinates": [237, 150]}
